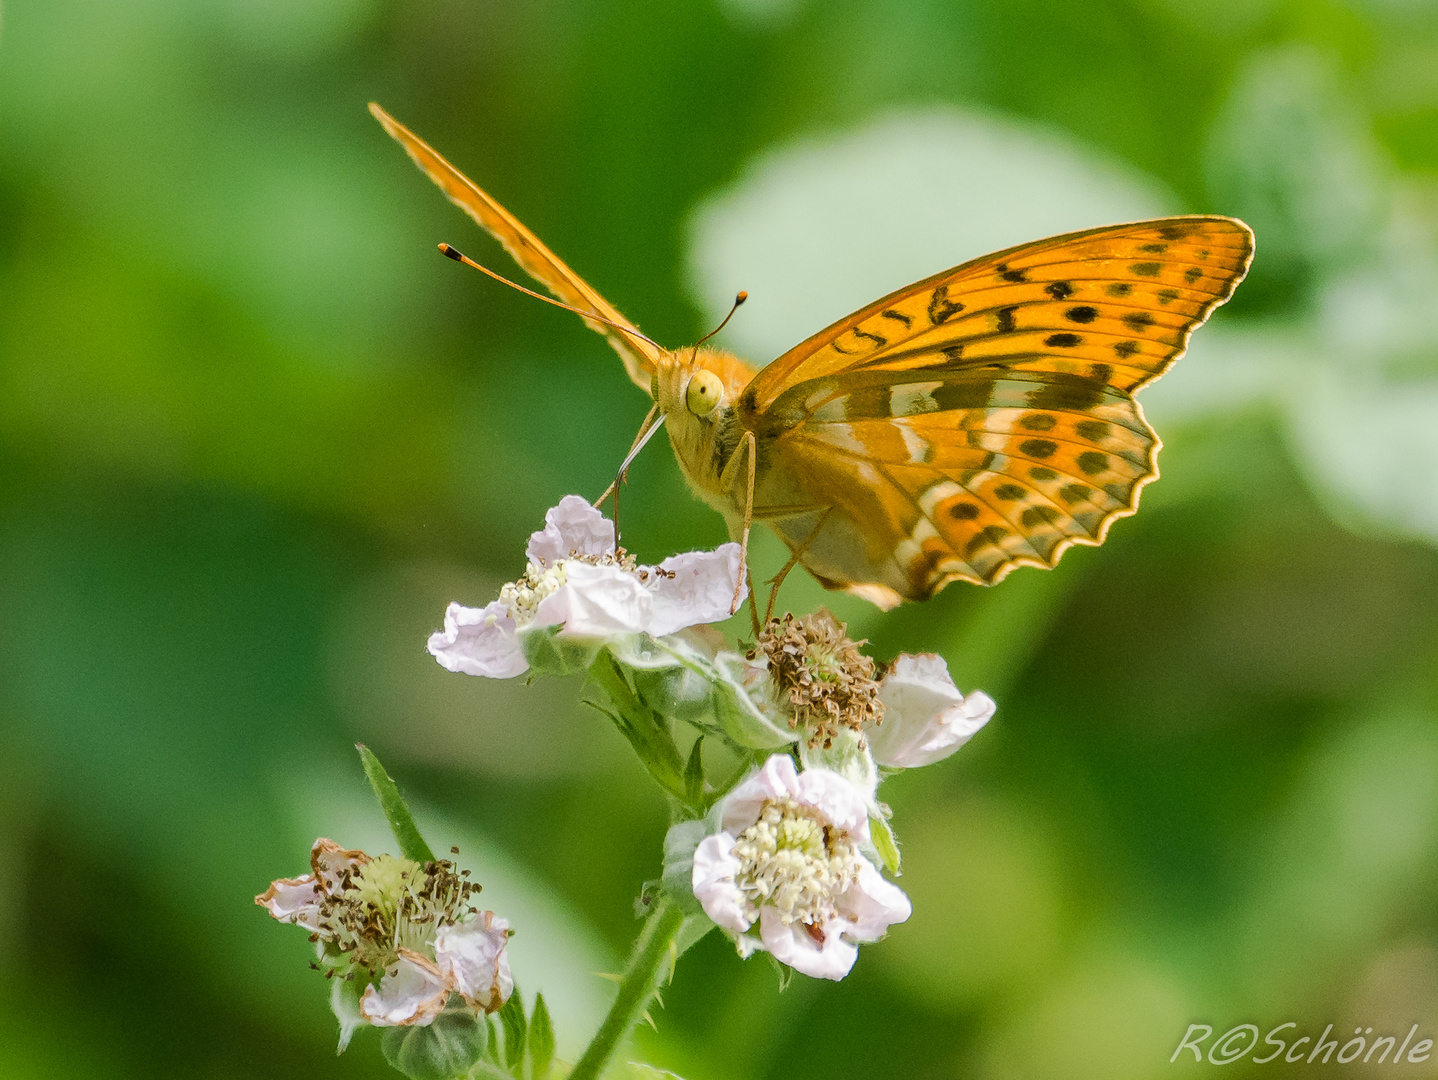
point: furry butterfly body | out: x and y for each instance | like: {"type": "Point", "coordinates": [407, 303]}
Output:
{"type": "Point", "coordinates": [979, 420]}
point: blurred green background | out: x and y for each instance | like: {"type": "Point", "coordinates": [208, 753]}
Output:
{"type": "Point", "coordinates": [255, 433]}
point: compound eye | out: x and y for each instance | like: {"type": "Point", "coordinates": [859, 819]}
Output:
{"type": "Point", "coordinates": [703, 393]}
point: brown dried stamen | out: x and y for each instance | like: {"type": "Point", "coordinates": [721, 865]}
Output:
{"type": "Point", "coordinates": [827, 681]}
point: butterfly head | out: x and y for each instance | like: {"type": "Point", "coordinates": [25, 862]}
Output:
{"type": "Point", "coordinates": [697, 389]}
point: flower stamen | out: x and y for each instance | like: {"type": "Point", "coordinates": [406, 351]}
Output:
{"type": "Point", "coordinates": [826, 680]}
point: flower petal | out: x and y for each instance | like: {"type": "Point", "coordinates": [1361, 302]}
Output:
{"type": "Point", "coordinates": [872, 904]}
{"type": "Point", "coordinates": [293, 900]}
{"type": "Point", "coordinates": [839, 801]}
{"type": "Point", "coordinates": [926, 718]}
{"type": "Point", "coordinates": [413, 991]}
{"type": "Point", "coordinates": [695, 587]}
{"type": "Point", "coordinates": [829, 958]}
{"type": "Point", "coordinates": [478, 641]}
{"type": "Point", "coordinates": [573, 527]}
{"type": "Point", "coordinates": [714, 888]}
{"type": "Point", "coordinates": [774, 780]}
{"type": "Point", "coordinates": [596, 602]}
{"type": "Point", "coordinates": [472, 956]}
{"type": "Point", "coordinates": [332, 864]}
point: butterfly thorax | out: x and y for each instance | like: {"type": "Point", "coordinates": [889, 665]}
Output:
{"type": "Point", "coordinates": [697, 389]}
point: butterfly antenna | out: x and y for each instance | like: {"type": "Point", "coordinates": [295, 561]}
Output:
{"type": "Point", "coordinates": [460, 257]}
{"type": "Point", "coordinates": [738, 300]}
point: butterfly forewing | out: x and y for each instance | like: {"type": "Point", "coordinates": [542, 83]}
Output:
{"type": "Point", "coordinates": [990, 407]}
{"type": "Point", "coordinates": [527, 250]}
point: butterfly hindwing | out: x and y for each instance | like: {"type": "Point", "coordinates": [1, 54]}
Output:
{"type": "Point", "coordinates": [984, 419]}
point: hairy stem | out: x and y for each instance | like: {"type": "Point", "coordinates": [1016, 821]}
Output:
{"type": "Point", "coordinates": [647, 968]}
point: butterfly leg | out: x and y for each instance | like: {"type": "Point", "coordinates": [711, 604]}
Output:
{"type": "Point", "coordinates": [753, 608]}
{"type": "Point", "coordinates": [613, 488]}
{"type": "Point", "coordinates": [750, 448]}
{"type": "Point", "coordinates": [778, 579]}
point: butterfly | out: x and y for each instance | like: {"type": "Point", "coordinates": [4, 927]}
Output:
{"type": "Point", "coordinates": [976, 421]}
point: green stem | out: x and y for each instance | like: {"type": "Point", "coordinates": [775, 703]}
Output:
{"type": "Point", "coordinates": [646, 970]}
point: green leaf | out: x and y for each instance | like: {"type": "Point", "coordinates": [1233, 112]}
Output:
{"type": "Point", "coordinates": [411, 844]}
{"type": "Point", "coordinates": [511, 1018]}
{"type": "Point", "coordinates": [694, 774]}
{"type": "Point", "coordinates": [541, 1039]}
{"type": "Point", "coordinates": [443, 1050]}
{"type": "Point", "coordinates": [883, 837]}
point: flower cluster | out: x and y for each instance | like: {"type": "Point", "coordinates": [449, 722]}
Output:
{"type": "Point", "coordinates": [787, 861]}
{"type": "Point", "coordinates": [404, 932]}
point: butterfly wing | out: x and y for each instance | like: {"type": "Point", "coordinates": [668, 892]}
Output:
{"type": "Point", "coordinates": [538, 261]}
{"type": "Point", "coordinates": [983, 418]}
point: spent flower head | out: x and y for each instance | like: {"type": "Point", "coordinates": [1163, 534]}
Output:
{"type": "Point", "coordinates": [405, 931]}
{"type": "Point", "coordinates": [820, 672]}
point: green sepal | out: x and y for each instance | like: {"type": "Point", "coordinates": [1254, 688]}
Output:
{"type": "Point", "coordinates": [447, 1048]}
{"type": "Point", "coordinates": [646, 730]}
{"type": "Point", "coordinates": [784, 971]}
{"type": "Point", "coordinates": [541, 1040]}
{"type": "Point", "coordinates": [885, 843]}
{"type": "Point", "coordinates": [694, 775]}
{"type": "Point", "coordinates": [642, 1071]}
{"type": "Point", "coordinates": [550, 652]}
{"type": "Point", "coordinates": [722, 696]}
{"type": "Point", "coordinates": [411, 843]}
{"type": "Point", "coordinates": [678, 880]}
{"type": "Point", "coordinates": [516, 1028]}
{"type": "Point", "coordinates": [345, 997]}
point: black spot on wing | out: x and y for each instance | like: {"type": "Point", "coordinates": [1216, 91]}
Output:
{"type": "Point", "coordinates": [1035, 516]}
{"type": "Point", "coordinates": [1125, 349]}
{"type": "Point", "coordinates": [1014, 276]}
{"type": "Point", "coordinates": [1059, 290]}
{"type": "Point", "coordinates": [1092, 462]}
{"type": "Point", "coordinates": [962, 394]}
{"type": "Point", "coordinates": [1093, 430]}
{"type": "Point", "coordinates": [1138, 321]}
{"type": "Point", "coordinates": [992, 534]}
{"type": "Point", "coordinates": [1010, 492]}
{"type": "Point", "coordinates": [964, 511]}
{"type": "Point", "coordinates": [1037, 422]}
{"type": "Point", "coordinates": [897, 316]}
{"type": "Point", "coordinates": [1119, 288]}
{"type": "Point", "coordinates": [1146, 269]}
{"type": "Point", "coordinates": [1004, 320]}
{"type": "Point", "coordinates": [1039, 448]}
{"type": "Point", "coordinates": [1081, 314]}
{"type": "Point", "coordinates": [941, 308]}
{"type": "Point", "coordinates": [1063, 341]}
{"type": "Point", "coordinates": [1192, 274]}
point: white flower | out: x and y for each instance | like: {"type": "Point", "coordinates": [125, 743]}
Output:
{"type": "Point", "coordinates": [577, 579]}
{"type": "Point", "coordinates": [787, 858]}
{"type": "Point", "coordinates": [926, 718]}
{"type": "Point", "coordinates": [405, 929]}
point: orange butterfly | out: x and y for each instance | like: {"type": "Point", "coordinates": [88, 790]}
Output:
{"type": "Point", "coordinates": [975, 421]}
